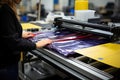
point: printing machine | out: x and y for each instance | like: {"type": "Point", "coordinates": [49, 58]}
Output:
{"type": "Point", "coordinates": [80, 66]}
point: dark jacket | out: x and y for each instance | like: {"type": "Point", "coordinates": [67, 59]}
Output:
{"type": "Point", "coordinates": [11, 40]}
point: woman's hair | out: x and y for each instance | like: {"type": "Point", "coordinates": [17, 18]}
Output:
{"type": "Point", "coordinates": [12, 5]}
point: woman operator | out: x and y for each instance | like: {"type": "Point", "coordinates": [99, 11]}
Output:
{"type": "Point", "coordinates": [13, 41]}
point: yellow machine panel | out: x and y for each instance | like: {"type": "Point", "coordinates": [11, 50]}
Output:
{"type": "Point", "coordinates": [108, 53]}
{"type": "Point", "coordinates": [26, 26]}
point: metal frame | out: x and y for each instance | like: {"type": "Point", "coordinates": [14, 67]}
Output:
{"type": "Point", "coordinates": [79, 69]}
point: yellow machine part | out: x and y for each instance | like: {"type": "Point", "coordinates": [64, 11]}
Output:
{"type": "Point", "coordinates": [108, 53]}
{"type": "Point", "coordinates": [26, 26]}
{"type": "Point", "coordinates": [81, 4]}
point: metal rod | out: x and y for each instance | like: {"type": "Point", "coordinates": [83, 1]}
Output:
{"type": "Point", "coordinates": [97, 26]}
{"type": "Point", "coordinates": [87, 31]}
{"type": "Point", "coordinates": [39, 10]}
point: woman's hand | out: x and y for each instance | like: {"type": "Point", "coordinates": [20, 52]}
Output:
{"type": "Point", "coordinates": [27, 34]}
{"type": "Point", "coordinates": [43, 43]}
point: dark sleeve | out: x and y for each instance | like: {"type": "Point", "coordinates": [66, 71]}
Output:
{"type": "Point", "coordinates": [13, 42]}
{"type": "Point", "coordinates": [11, 33]}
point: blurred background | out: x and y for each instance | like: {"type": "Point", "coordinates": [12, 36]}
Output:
{"type": "Point", "coordinates": [28, 9]}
